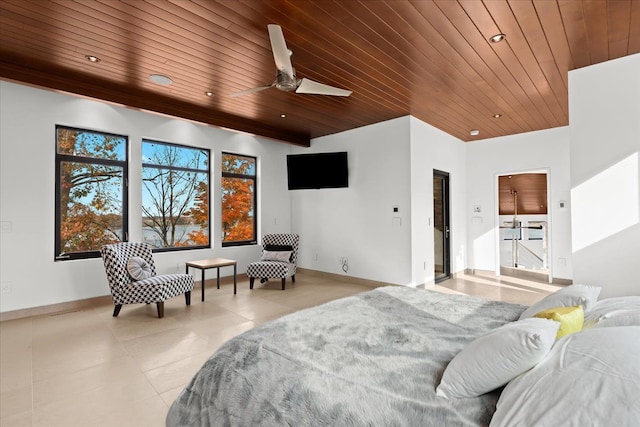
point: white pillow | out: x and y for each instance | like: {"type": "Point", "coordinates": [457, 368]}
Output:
{"type": "Point", "coordinates": [282, 256]}
{"type": "Point", "coordinates": [591, 378]}
{"type": "Point", "coordinates": [629, 319]}
{"type": "Point", "coordinates": [497, 357]}
{"type": "Point", "coordinates": [138, 268]}
{"type": "Point", "coordinates": [617, 311]}
{"type": "Point", "coordinates": [571, 296]}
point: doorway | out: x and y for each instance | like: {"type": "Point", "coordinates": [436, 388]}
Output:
{"type": "Point", "coordinates": [523, 218]}
{"type": "Point", "coordinates": [441, 229]}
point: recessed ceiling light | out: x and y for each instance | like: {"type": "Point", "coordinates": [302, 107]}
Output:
{"type": "Point", "coordinates": [497, 38]}
{"type": "Point", "coordinates": [474, 132]}
{"type": "Point", "coordinates": [497, 116]}
{"type": "Point", "coordinates": [283, 115]}
{"type": "Point", "coordinates": [160, 79]}
{"type": "Point", "coordinates": [92, 58]}
{"type": "Point", "coordinates": [208, 93]}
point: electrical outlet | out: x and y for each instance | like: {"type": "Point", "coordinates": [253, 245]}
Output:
{"type": "Point", "coordinates": [5, 287]}
{"type": "Point", "coordinates": [344, 264]}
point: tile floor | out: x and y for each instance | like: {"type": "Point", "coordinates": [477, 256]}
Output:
{"type": "Point", "coordinates": [87, 368]}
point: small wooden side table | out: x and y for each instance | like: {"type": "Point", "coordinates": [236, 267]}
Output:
{"type": "Point", "coordinates": [204, 264]}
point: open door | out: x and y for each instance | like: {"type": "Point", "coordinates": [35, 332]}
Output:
{"type": "Point", "coordinates": [524, 225]}
{"type": "Point", "coordinates": [441, 229]}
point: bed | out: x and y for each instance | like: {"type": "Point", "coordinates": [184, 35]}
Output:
{"type": "Point", "coordinates": [370, 359]}
{"type": "Point", "coordinates": [394, 356]}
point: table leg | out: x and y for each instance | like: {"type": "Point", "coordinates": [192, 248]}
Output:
{"type": "Point", "coordinates": [203, 284]}
{"type": "Point", "coordinates": [234, 278]}
{"type": "Point", "coordinates": [218, 277]}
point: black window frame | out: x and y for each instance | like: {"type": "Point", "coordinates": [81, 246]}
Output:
{"type": "Point", "coordinates": [151, 165]}
{"type": "Point", "coordinates": [62, 158]}
{"type": "Point", "coordinates": [253, 241]}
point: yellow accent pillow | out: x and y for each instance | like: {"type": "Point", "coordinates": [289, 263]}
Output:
{"type": "Point", "coordinates": [571, 319]}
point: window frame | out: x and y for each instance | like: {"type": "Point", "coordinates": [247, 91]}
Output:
{"type": "Point", "coordinates": [62, 158]}
{"type": "Point", "coordinates": [224, 174]}
{"type": "Point", "coordinates": [183, 169]}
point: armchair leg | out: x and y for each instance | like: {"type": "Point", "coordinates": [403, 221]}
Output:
{"type": "Point", "coordinates": [293, 278]}
{"type": "Point", "coordinates": [187, 297]}
{"type": "Point", "coordinates": [116, 310]}
{"type": "Point", "coordinates": [283, 280]}
{"type": "Point", "coordinates": [251, 279]}
{"type": "Point", "coordinates": [160, 309]}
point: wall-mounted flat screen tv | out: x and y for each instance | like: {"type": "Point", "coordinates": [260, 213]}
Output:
{"type": "Point", "coordinates": [318, 170]}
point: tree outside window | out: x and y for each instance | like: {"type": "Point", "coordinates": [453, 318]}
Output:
{"type": "Point", "coordinates": [175, 196]}
{"type": "Point", "coordinates": [91, 196]}
{"type": "Point", "coordinates": [238, 200]}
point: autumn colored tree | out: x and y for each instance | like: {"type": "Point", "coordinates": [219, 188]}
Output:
{"type": "Point", "coordinates": [171, 178]}
{"type": "Point", "coordinates": [90, 191]}
{"type": "Point", "coordinates": [238, 182]}
{"type": "Point", "coordinates": [199, 214]}
{"type": "Point", "coordinates": [91, 167]}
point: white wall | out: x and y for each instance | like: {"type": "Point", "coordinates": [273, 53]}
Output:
{"type": "Point", "coordinates": [433, 149]}
{"type": "Point", "coordinates": [390, 165]}
{"type": "Point", "coordinates": [357, 222]}
{"type": "Point", "coordinates": [546, 150]}
{"type": "Point", "coordinates": [604, 118]}
{"type": "Point", "coordinates": [27, 147]}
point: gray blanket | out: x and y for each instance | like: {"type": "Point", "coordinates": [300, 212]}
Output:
{"type": "Point", "coordinates": [373, 359]}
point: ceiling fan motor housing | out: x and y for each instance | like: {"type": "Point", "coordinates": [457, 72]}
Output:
{"type": "Point", "coordinates": [286, 83]}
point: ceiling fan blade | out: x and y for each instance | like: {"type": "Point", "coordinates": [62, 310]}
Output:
{"type": "Point", "coordinates": [311, 87]}
{"type": "Point", "coordinates": [249, 91]}
{"type": "Point", "coordinates": [280, 50]}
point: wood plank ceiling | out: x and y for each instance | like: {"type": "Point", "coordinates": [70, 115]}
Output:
{"type": "Point", "coordinates": [429, 59]}
{"type": "Point", "coordinates": [530, 191]}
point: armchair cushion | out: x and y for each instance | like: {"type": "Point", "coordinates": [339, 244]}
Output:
{"type": "Point", "coordinates": [279, 248]}
{"type": "Point", "coordinates": [138, 268]}
{"type": "Point", "coordinates": [282, 256]}
{"type": "Point", "coordinates": [157, 288]}
{"type": "Point", "coordinates": [271, 269]}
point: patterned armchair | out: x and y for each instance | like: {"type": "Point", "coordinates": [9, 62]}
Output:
{"type": "Point", "coordinates": [272, 267]}
{"type": "Point", "coordinates": [154, 289]}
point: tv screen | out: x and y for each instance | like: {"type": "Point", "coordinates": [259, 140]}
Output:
{"type": "Point", "coordinates": [319, 170]}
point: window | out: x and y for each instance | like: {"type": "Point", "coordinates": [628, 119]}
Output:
{"type": "Point", "coordinates": [175, 196]}
{"type": "Point", "coordinates": [238, 200]}
{"type": "Point", "coordinates": [91, 193]}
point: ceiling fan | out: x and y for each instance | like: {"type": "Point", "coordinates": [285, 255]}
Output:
{"type": "Point", "coordinates": [286, 74]}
